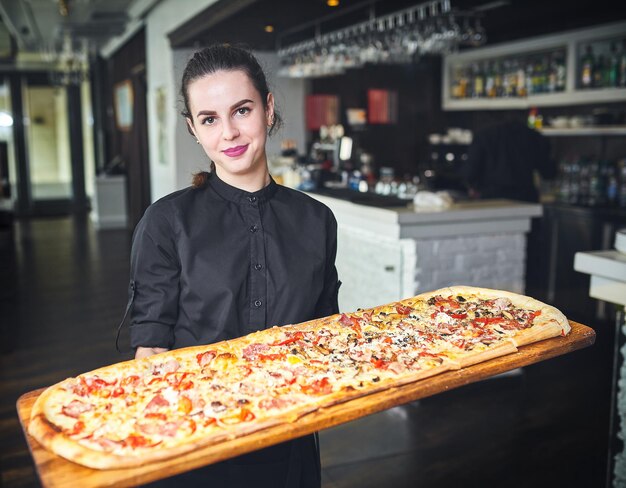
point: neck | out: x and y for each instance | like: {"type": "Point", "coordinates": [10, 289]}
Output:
{"type": "Point", "coordinates": [248, 182]}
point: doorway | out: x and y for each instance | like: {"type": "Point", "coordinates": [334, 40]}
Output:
{"type": "Point", "coordinates": [51, 158]}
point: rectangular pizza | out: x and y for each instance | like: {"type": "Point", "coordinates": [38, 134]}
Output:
{"type": "Point", "coordinates": [142, 411]}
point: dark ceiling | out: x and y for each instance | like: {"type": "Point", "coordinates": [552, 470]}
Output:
{"type": "Point", "coordinates": [514, 20]}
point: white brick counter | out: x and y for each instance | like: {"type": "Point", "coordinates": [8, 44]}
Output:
{"type": "Point", "coordinates": [386, 254]}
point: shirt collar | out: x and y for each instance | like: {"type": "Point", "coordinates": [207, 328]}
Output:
{"type": "Point", "coordinates": [237, 195]}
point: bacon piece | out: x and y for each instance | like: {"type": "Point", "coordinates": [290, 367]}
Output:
{"type": "Point", "coordinates": [168, 429]}
{"type": "Point", "coordinates": [156, 402]}
{"type": "Point", "coordinates": [171, 366]}
{"type": "Point", "coordinates": [512, 325]}
{"type": "Point", "coordinates": [205, 358]}
{"type": "Point", "coordinates": [396, 366]}
{"type": "Point", "coordinates": [252, 352]}
{"type": "Point", "coordinates": [75, 408]}
{"type": "Point", "coordinates": [274, 402]}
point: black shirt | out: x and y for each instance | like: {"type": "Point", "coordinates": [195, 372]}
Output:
{"type": "Point", "coordinates": [502, 159]}
{"type": "Point", "coordinates": [217, 262]}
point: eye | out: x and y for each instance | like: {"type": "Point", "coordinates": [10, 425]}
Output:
{"type": "Point", "coordinates": [242, 111]}
{"type": "Point", "coordinates": [208, 120]}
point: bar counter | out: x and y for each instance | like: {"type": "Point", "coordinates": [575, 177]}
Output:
{"type": "Point", "coordinates": [386, 254]}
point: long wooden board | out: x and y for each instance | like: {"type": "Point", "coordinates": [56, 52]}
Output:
{"type": "Point", "coordinates": [56, 472]}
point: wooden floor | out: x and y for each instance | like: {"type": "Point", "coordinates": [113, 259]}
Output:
{"type": "Point", "coordinates": [63, 291]}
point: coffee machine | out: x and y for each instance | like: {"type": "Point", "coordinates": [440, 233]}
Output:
{"type": "Point", "coordinates": [447, 155]}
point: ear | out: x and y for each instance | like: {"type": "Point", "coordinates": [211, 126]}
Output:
{"type": "Point", "coordinates": [191, 128]}
{"type": "Point", "coordinates": [269, 110]}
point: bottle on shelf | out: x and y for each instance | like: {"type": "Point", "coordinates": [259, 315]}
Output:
{"type": "Point", "coordinates": [584, 183]}
{"type": "Point", "coordinates": [498, 79]}
{"type": "Point", "coordinates": [529, 70]}
{"type": "Point", "coordinates": [532, 117]}
{"type": "Point", "coordinates": [574, 183]}
{"type": "Point", "coordinates": [490, 81]}
{"type": "Point", "coordinates": [521, 79]}
{"type": "Point", "coordinates": [599, 72]}
{"type": "Point", "coordinates": [552, 73]}
{"type": "Point", "coordinates": [612, 185]}
{"type": "Point", "coordinates": [479, 81]}
{"type": "Point", "coordinates": [560, 71]}
{"type": "Point", "coordinates": [596, 184]}
{"type": "Point", "coordinates": [621, 194]}
{"type": "Point", "coordinates": [587, 64]}
{"type": "Point", "coordinates": [622, 66]}
{"type": "Point", "coordinates": [510, 78]}
{"type": "Point", "coordinates": [613, 67]}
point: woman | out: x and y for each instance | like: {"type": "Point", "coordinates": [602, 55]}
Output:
{"type": "Point", "coordinates": [235, 252]}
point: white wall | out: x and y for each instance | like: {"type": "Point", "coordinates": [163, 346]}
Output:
{"type": "Point", "coordinates": [165, 17]}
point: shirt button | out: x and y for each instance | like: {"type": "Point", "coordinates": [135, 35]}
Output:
{"type": "Point", "coordinates": [253, 228]}
{"type": "Point", "coordinates": [258, 303]}
{"type": "Point", "coordinates": [258, 266]}
{"type": "Point", "coordinates": [252, 199]}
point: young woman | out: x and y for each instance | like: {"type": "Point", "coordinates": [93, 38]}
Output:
{"type": "Point", "coordinates": [235, 252]}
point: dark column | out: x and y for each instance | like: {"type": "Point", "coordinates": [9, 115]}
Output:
{"type": "Point", "coordinates": [24, 204]}
{"type": "Point", "coordinates": [76, 148]}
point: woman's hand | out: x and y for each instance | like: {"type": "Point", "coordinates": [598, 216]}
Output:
{"type": "Point", "coordinates": [144, 352]}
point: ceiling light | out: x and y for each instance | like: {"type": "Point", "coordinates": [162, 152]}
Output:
{"type": "Point", "coordinates": [332, 3]}
{"type": "Point", "coordinates": [269, 28]}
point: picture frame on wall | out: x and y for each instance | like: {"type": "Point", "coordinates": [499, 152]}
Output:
{"type": "Point", "coordinates": [123, 101]}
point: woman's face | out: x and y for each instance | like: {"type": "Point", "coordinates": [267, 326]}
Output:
{"type": "Point", "coordinates": [230, 121]}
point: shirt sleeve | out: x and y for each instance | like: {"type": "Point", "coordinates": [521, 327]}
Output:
{"type": "Point", "coordinates": [155, 272]}
{"type": "Point", "coordinates": [327, 303]}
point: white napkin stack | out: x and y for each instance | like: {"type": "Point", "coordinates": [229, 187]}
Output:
{"type": "Point", "coordinates": [429, 199]}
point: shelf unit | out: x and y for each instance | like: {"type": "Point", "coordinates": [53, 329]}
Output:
{"type": "Point", "coordinates": [585, 131]}
{"type": "Point", "coordinates": [570, 40]}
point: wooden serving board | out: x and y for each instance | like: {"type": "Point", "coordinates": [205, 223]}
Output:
{"type": "Point", "coordinates": [56, 472]}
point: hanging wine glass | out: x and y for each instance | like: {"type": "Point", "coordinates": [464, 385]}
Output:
{"type": "Point", "coordinates": [480, 36]}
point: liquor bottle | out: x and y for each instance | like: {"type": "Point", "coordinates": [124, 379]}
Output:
{"type": "Point", "coordinates": [498, 80]}
{"type": "Point", "coordinates": [612, 185]}
{"type": "Point", "coordinates": [537, 77]}
{"type": "Point", "coordinates": [552, 73]}
{"type": "Point", "coordinates": [560, 71]}
{"type": "Point", "coordinates": [479, 81]}
{"type": "Point", "coordinates": [464, 83]}
{"type": "Point", "coordinates": [584, 183]}
{"type": "Point", "coordinates": [456, 89]}
{"type": "Point", "coordinates": [622, 66]}
{"type": "Point", "coordinates": [532, 117]}
{"type": "Point", "coordinates": [521, 80]}
{"type": "Point", "coordinates": [490, 81]}
{"type": "Point", "coordinates": [596, 184]}
{"type": "Point", "coordinates": [613, 67]}
{"type": "Point", "coordinates": [586, 70]}
{"type": "Point", "coordinates": [598, 72]}
{"type": "Point", "coordinates": [529, 77]}
{"type": "Point", "coordinates": [507, 88]}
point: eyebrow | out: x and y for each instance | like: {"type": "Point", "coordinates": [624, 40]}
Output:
{"type": "Point", "coordinates": [232, 107]}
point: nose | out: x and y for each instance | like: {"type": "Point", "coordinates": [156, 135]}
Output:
{"type": "Point", "coordinates": [230, 130]}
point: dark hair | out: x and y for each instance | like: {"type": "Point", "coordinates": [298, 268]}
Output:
{"type": "Point", "coordinates": [224, 57]}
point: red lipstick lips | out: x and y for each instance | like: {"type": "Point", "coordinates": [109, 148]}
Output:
{"type": "Point", "coordinates": [236, 151]}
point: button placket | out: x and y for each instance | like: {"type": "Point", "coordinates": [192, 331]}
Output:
{"type": "Point", "coordinates": [258, 285]}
